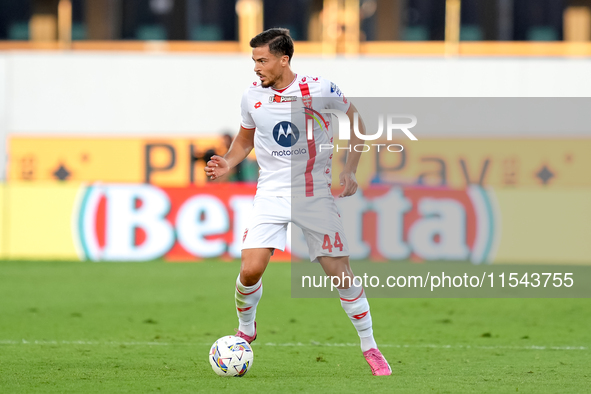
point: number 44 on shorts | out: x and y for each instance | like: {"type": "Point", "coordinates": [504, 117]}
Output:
{"type": "Point", "coordinates": [327, 245]}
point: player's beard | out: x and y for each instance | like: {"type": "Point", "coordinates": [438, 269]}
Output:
{"type": "Point", "coordinates": [269, 82]}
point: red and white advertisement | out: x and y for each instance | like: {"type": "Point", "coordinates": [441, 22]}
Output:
{"type": "Point", "coordinates": [141, 222]}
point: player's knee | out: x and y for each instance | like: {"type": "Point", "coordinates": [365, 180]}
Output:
{"type": "Point", "coordinates": [253, 265]}
{"type": "Point", "coordinates": [336, 266]}
{"type": "Point", "coordinates": [249, 276]}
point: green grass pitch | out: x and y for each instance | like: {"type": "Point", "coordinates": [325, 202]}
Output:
{"type": "Point", "coordinates": [147, 327]}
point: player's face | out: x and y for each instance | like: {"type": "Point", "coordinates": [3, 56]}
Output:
{"type": "Point", "coordinates": [267, 66]}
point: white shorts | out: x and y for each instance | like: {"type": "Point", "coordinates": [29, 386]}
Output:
{"type": "Point", "coordinates": [318, 217]}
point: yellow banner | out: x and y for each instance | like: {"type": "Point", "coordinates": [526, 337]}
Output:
{"type": "Point", "coordinates": [549, 226]}
{"type": "Point", "coordinates": [38, 221]}
{"type": "Point", "coordinates": [455, 163]}
{"type": "Point", "coordinates": [160, 161]}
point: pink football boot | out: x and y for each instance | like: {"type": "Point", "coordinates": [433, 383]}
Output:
{"type": "Point", "coordinates": [249, 338]}
{"type": "Point", "coordinates": [377, 362]}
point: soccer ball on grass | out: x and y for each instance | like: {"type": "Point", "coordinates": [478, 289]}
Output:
{"type": "Point", "coordinates": [231, 356]}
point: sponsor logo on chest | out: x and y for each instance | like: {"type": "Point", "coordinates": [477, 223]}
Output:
{"type": "Point", "coordinates": [282, 99]}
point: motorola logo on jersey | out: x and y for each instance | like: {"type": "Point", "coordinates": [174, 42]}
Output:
{"type": "Point", "coordinates": [286, 134]}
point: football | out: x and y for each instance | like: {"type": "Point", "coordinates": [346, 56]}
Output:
{"type": "Point", "coordinates": [231, 356]}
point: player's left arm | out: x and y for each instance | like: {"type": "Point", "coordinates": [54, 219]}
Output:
{"type": "Point", "coordinates": [347, 177]}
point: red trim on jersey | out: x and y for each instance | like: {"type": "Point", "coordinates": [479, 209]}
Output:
{"type": "Point", "coordinates": [354, 299]}
{"type": "Point", "coordinates": [247, 128]}
{"type": "Point", "coordinates": [348, 108]}
{"type": "Point", "coordinates": [285, 88]}
{"type": "Point", "coordinates": [252, 292]}
{"type": "Point", "coordinates": [311, 145]}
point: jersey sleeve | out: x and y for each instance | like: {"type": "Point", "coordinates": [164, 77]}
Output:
{"type": "Point", "coordinates": [247, 121]}
{"type": "Point", "coordinates": [333, 97]}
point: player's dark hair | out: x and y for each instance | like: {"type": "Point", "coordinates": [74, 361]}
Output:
{"type": "Point", "coordinates": [278, 39]}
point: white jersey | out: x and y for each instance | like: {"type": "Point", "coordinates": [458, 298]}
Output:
{"type": "Point", "coordinates": [290, 163]}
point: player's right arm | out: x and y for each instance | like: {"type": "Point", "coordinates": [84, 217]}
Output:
{"type": "Point", "coordinates": [240, 148]}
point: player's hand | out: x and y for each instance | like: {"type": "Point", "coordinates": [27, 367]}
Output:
{"type": "Point", "coordinates": [216, 167]}
{"type": "Point", "coordinates": [350, 182]}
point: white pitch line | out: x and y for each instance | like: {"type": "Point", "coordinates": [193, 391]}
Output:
{"type": "Point", "coordinates": [289, 344]}
{"type": "Point", "coordinates": [44, 342]}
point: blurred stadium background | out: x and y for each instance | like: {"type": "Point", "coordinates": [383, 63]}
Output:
{"type": "Point", "coordinates": [109, 109]}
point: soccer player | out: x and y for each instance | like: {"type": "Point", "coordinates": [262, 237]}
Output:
{"type": "Point", "coordinates": [295, 171]}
